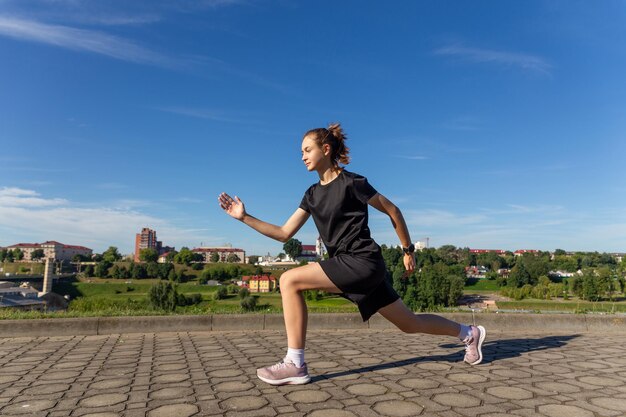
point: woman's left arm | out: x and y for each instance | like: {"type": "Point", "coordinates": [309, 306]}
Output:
{"type": "Point", "coordinates": [382, 204]}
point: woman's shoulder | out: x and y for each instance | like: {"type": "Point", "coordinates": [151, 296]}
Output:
{"type": "Point", "coordinates": [353, 175]}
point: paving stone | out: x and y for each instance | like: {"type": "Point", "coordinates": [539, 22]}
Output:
{"type": "Point", "coordinates": [308, 396]}
{"type": "Point", "coordinates": [103, 400]}
{"type": "Point", "coordinates": [171, 393]}
{"type": "Point", "coordinates": [418, 383]}
{"type": "Point", "coordinates": [456, 400]}
{"type": "Point", "coordinates": [366, 389]}
{"type": "Point", "coordinates": [510, 393]}
{"type": "Point", "coordinates": [612, 403]}
{"type": "Point", "coordinates": [332, 413]}
{"type": "Point", "coordinates": [178, 410]}
{"type": "Point", "coordinates": [559, 387]}
{"type": "Point", "coordinates": [559, 410]}
{"type": "Point", "coordinates": [601, 381]}
{"type": "Point", "coordinates": [397, 408]}
{"type": "Point", "coordinates": [243, 403]}
{"type": "Point", "coordinates": [27, 407]}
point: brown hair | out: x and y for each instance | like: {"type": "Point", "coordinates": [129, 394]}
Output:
{"type": "Point", "coordinates": [334, 136]}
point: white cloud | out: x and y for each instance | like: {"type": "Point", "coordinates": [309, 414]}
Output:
{"type": "Point", "coordinates": [81, 40]}
{"type": "Point", "coordinates": [26, 216]}
{"type": "Point", "coordinates": [524, 61]}
{"type": "Point", "coordinates": [18, 197]}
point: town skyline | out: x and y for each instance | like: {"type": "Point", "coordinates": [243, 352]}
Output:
{"type": "Point", "coordinates": [490, 125]}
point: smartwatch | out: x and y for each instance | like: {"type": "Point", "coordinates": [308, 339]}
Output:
{"type": "Point", "coordinates": [408, 250]}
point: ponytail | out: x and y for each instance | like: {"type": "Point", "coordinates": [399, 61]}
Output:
{"type": "Point", "coordinates": [336, 138]}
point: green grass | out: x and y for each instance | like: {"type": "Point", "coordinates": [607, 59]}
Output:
{"type": "Point", "coordinates": [33, 268]}
{"type": "Point", "coordinates": [475, 284]}
{"type": "Point", "coordinates": [105, 298]}
{"type": "Point", "coordinates": [569, 306]}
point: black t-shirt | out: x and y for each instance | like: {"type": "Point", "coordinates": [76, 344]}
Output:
{"type": "Point", "coordinates": [339, 210]}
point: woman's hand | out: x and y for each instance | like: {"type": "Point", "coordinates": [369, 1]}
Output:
{"type": "Point", "coordinates": [409, 264]}
{"type": "Point", "coordinates": [233, 208]}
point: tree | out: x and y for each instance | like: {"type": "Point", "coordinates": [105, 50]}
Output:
{"type": "Point", "coordinates": [111, 255]}
{"type": "Point", "coordinates": [163, 296]}
{"type": "Point", "coordinates": [186, 256]}
{"type": "Point", "coordinates": [37, 254]}
{"type": "Point", "coordinates": [253, 259]}
{"type": "Point", "coordinates": [233, 258]}
{"type": "Point", "coordinates": [102, 269]}
{"type": "Point", "coordinates": [152, 270]}
{"type": "Point", "coordinates": [18, 255]}
{"type": "Point", "coordinates": [80, 258]}
{"type": "Point", "coordinates": [293, 248]}
{"type": "Point", "coordinates": [215, 257]}
{"type": "Point", "coordinates": [519, 276]}
{"type": "Point", "coordinates": [591, 287]}
{"type": "Point", "coordinates": [170, 256]}
{"type": "Point", "coordinates": [3, 254]}
{"type": "Point", "coordinates": [148, 255]}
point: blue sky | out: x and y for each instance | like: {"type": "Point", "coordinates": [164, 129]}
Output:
{"type": "Point", "coordinates": [490, 124]}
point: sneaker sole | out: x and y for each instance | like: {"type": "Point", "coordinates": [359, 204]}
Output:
{"type": "Point", "coordinates": [483, 333]}
{"type": "Point", "coordinates": [287, 381]}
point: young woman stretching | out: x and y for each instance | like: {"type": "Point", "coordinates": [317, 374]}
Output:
{"type": "Point", "coordinates": [355, 269]}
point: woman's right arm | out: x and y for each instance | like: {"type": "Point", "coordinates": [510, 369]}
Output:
{"type": "Point", "coordinates": [236, 209]}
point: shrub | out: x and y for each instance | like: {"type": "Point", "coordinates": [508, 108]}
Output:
{"type": "Point", "coordinates": [193, 299]}
{"type": "Point", "coordinates": [163, 296]}
{"type": "Point", "coordinates": [248, 303]}
{"type": "Point", "coordinates": [243, 293]}
{"type": "Point", "coordinates": [233, 289]}
{"type": "Point", "coordinates": [221, 293]}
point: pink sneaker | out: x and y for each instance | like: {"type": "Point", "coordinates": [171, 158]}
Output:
{"type": "Point", "coordinates": [284, 373]}
{"type": "Point", "coordinates": [474, 345]}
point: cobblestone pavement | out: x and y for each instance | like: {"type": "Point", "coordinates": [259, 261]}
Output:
{"type": "Point", "coordinates": [355, 373]}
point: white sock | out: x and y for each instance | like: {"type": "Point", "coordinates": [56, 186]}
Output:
{"type": "Point", "coordinates": [295, 356]}
{"type": "Point", "coordinates": [465, 332]}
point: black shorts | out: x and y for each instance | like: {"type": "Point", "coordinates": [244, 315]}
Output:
{"type": "Point", "coordinates": [362, 280]}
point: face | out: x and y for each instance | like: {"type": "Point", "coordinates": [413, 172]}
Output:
{"type": "Point", "coordinates": [312, 155]}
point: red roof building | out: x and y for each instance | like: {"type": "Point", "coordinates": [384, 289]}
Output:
{"type": "Point", "coordinates": [259, 283]}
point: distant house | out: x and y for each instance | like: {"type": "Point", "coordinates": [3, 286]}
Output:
{"type": "Point", "coordinates": [520, 252]}
{"type": "Point", "coordinates": [478, 271]}
{"type": "Point", "coordinates": [259, 283]}
{"type": "Point", "coordinates": [223, 252]}
{"type": "Point", "coordinates": [51, 249]}
{"type": "Point", "coordinates": [163, 258]}
{"type": "Point", "coordinates": [20, 297]}
{"type": "Point", "coordinates": [497, 251]}
{"type": "Point", "coordinates": [309, 253]}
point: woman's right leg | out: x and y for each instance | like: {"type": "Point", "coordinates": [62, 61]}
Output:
{"type": "Point", "coordinates": [409, 322]}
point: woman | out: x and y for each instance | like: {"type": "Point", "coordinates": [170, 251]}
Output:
{"type": "Point", "coordinates": [355, 268]}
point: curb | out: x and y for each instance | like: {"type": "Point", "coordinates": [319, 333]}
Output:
{"type": "Point", "coordinates": [494, 322]}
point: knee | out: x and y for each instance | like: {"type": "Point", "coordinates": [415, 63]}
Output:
{"type": "Point", "coordinates": [288, 282]}
{"type": "Point", "coordinates": [407, 328]}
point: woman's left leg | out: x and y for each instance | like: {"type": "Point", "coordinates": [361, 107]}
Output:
{"type": "Point", "coordinates": [292, 283]}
